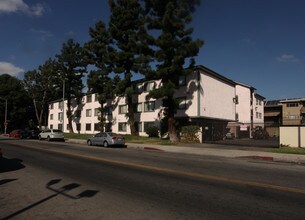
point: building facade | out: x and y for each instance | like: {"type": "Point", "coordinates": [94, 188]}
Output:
{"type": "Point", "coordinates": [205, 98]}
{"type": "Point", "coordinates": [284, 112]}
{"type": "Point", "coordinates": [293, 111]}
{"type": "Point", "coordinates": [249, 111]}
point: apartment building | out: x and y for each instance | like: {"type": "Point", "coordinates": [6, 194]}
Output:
{"type": "Point", "coordinates": [249, 111]}
{"type": "Point", "coordinates": [284, 112]}
{"type": "Point", "coordinates": [205, 98]}
{"type": "Point", "coordinates": [293, 111]}
{"type": "Point", "coordinates": [273, 117]}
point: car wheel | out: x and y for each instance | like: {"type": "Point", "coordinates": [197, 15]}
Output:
{"type": "Point", "coordinates": [105, 144]}
{"type": "Point", "coordinates": [48, 138]}
{"type": "Point", "coordinates": [89, 143]}
{"type": "Point", "coordinates": [39, 138]}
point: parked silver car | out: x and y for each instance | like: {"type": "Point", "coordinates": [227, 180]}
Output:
{"type": "Point", "coordinates": [106, 138]}
{"type": "Point", "coordinates": [52, 134]}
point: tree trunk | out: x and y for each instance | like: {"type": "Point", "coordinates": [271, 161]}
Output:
{"type": "Point", "coordinates": [69, 116]}
{"type": "Point", "coordinates": [131, 119]}
{"type": "Point", "coordinates": [172, 131]}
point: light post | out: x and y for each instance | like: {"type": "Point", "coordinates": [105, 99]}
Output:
{"type": "Point", "coordinates": [63, 106]}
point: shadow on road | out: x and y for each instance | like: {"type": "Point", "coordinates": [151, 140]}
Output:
{"type": "Point", "coordinates": [7, 165]}
{"type": "Point", "coordinates": [64, 191]}
{"type": "Point", "coordinates": [4, 181]}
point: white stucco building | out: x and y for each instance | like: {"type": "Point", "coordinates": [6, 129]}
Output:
{"type": "Point", "coordinates": [249, 111]}
{"type": "Point", "coordinates": [205, 97]}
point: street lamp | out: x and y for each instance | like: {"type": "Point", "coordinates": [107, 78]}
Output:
{"type": "Point", "coordinates": [63, 106]}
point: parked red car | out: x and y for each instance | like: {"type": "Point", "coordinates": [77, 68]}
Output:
{"type": "Point", "coordinates": [16, 133]}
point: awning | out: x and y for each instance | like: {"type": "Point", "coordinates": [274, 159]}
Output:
{"type": "Point", "coordinates": [271, 114]}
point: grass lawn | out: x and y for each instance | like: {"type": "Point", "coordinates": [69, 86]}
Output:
{"type": "Point", "coordinates": [289, 150]}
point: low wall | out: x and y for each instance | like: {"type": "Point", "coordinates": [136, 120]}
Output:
{"type": "Point", "coordinates": [292, 136]}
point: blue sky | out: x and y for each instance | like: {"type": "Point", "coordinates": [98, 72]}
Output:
{"type": "Point", "coordinates": [256, 42]}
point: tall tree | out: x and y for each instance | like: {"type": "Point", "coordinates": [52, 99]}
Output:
{"type": "Point", "coordinates": [174, 46]}
{"type": "Point", "coordinates": [71, 67]}
{"type": "Point", "coordinates": [98, 50]}
{"type": "Point", "coordinates": [40, 86]}
{"type": "Point", "coordinates": [19, 108]}
{"type": "Point", "coordinates": [127, 29]}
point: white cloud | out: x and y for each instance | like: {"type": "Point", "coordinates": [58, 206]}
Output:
{"type": "Point", "coordinates": [10, 69]}
{"type": "Point", "coordinates": [11, 6]}
{"type": "Point", "coordinates": [288, 58]}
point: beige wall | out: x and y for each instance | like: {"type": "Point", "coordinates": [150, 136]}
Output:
{"type": "Point", "coordinates": [292, 136]}
{"type": "Point", "coordinates": [216, 99]}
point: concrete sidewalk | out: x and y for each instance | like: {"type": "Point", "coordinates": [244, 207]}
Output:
{"type": "Point", "coordinates": [216, 150]}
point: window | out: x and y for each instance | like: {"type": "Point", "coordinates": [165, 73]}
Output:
{"type": "Point", "coordinates": [96, 98]}
{"type": "Point", "coordinates": [258, 115]}
{"type": "Point", "coordinates": [258, 102]}
{"type": "Point", "coordinates": [89, 98]}
{"type": "Point", "coordinates": [182, 80]}
{"type": "Point", "coordinates": [291, 105]}
{"type": "Point", "coordinates": [51, 116]}
{"type": "Point", "coordinates": [96, 126]}
{"type": "Point", "coordinates": [51, 126]}
{"type": "Point", "coordinates": [88, 113]}
{"type": "Point", "coordinates": [122, 109]}
{"type": "Point", "coordinates": [149, 86]}
{"type": "Point", "coordinates": [181, 103]}
{"type": "Point", "coordinates": [51, 106]}
{"type": "Point", "coordinates": [88, 127]}
{"type": "Point", "coordinates": [138, 126]}
{"type": "Point", "coordinates": [292, 116]}
{"type": "Point", "coordinates": [138, 107]}
{"type": "Point", "coordinates": [60, 105]}
{"type": "Point", "coordinates": [149, 106]}
{"type": "Point", "coordinates": [148, 124]}
{"type": "Point", "coordinates": [122, 126]}
{"type": "Point", "coordinates": [97, 112]}
{"type": "Point", "coordinates": [60, 116]}
{"type": "Point", "coordinates": [59, 126]}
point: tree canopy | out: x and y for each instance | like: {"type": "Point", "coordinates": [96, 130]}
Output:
{"type": "Point", "coordinates": [174, 46]}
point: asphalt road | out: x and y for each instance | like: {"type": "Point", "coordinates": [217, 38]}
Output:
{"type": "Point", "coordinates": [42, 180]}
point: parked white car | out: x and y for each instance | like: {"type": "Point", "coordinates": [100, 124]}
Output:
{"type": "Point", "coordinates": [51, 134]}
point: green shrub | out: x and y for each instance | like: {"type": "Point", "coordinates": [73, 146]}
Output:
{"type": "Point", "coordinates": [190, 133]}
{"type": "Point", "coordinates": [152, 131]}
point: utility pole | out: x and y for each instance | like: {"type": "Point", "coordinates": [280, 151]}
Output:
{"type": "Point", "coordinates": [63, 106]}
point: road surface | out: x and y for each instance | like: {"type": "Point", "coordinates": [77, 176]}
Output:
{"type": "Point", "coordinates": [56, 180]}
